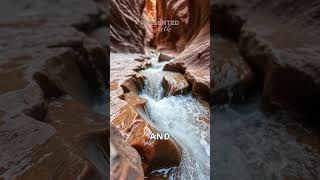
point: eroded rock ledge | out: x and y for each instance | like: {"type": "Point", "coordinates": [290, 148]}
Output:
{"type": "Point", "coordinates": [135, 126]}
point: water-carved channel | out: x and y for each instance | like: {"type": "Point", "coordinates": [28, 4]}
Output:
{"type": "Point", "coordinates": [185, 118]}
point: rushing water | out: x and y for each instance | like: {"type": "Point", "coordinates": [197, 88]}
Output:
{"type": "Point", "coordinates": [182, 117]}
{"type": "Point", "coordinates": [100, 103]}
{"type": "Point", "coordinates": [249, 144]}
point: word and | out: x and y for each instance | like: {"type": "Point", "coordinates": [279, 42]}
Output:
{"type": "Point", "coordinates": [159, 136]}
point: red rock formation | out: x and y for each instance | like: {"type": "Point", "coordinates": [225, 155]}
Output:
{"type": "Point", "coordinates": [129, 116]}
{"type": "Point", "coordinates": [194, 62]}
{"type": "Point", "coordinates": [192, 15]}
{"type": "Point", "coordinates": [125, 160]}
{"type": "Point", "coordinates": [127, 26]}
{"type": "Point", "coordinates": [191, 38]}
{"type": "Point", "coordinates": [175, 83]}
{"type": "Point", "coordinates": [164, 57]}
{"type": "Point", "coordinates": [135, 127]}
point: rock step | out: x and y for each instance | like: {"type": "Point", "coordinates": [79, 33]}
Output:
{"type": "Point", "coordinates": [174, 83]}
{"type": "Point", "coordinates": [135, 127]}
{"type": "Point", "coordinates": [232, 76]}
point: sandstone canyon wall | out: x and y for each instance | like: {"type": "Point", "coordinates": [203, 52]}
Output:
{"type": "Point", "coordinates": [192, 40]}
{"type": "Point", "coordinates": [127, 25]}
{"type": "Point", "coordinates": [192, 16]}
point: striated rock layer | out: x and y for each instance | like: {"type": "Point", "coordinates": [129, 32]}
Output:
{"type": "Point", "coordinates": [194, 62]}
{"type": "Point", "coordinates": [127, 26]}
{"type": "Point", "coordinates": [193, 44]}
{"type": "Point", "coordinates": [192, 16]}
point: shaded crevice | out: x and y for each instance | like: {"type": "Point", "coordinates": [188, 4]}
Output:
{"type": "Point", "coordinates": [94, 73]}
{"type": "Point", "coordinates": [133, 84]}
{"type": "Point", "coordinates": [96, 150]}
{"type": "Point", "coordinates": [52, 88]}
{"type": "Point", "coordinates": [37, 112]}
{"type": "Point", "coordinates": [226, 22]}
{"type": "Point", "coordinates": [48, 86]}
{"type": "Point", "coordinates": [92, 22]}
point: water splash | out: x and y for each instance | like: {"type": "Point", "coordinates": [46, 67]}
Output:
{"type": "Point", "coordinates": [183, 118]}
{"type": "Point", "coordinates": [253, 145]}
{"type": "Point", "coordinates": [153, 83]}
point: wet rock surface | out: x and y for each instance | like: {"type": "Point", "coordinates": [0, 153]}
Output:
{"type": "Point", "coordinates": [194, 62]}
{"type": "Point", "coordinates": [131, 119]}
{"type": "Point", "coordinates": [125, 160]}
{"type": "Point", "coordinates": [232, 76]}
{"type": "Point", "coordinates": [50, 69]}
{"type": "Point", "coordinates": [175, 83]}
{"type": "Point", "coordinates": [288, 67]}
{"type": "Point", "coordinates": [164, 57]}
{"type": "Point", "coordinates": [121, 72]}
{"type": "Point", "coordinates": [192, 44]}
{"type": "Point", "coordinates": [135, 126]}
{"type": "Point", "coordinates": [130, 111]}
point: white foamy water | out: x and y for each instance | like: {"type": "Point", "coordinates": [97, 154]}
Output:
{"type": "Point", "coordinates": [153, 83]}
{"type": "Point", "coordinates": [253, 145]}
{"type": "Point", "coordinates": [182, 117]}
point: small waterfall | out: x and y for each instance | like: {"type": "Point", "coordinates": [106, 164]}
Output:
{"type": "Point", "coordinates": [182, 117]}
{"type": "Point", "coordinates": [153, 83]}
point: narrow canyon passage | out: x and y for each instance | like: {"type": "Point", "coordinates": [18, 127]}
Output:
{"type": "Point", "coordinates": [159, 87]}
